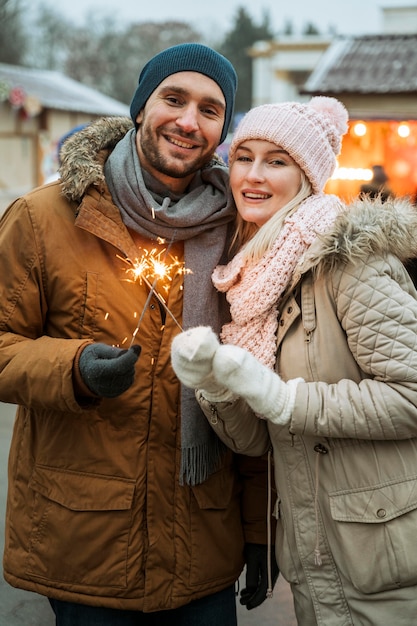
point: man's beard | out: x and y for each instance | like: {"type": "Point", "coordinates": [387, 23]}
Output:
{"type": "Point", "coordinates": [169, 166]}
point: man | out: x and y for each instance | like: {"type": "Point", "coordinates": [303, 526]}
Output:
{"type": "Point", "coordinates": [123, 507]}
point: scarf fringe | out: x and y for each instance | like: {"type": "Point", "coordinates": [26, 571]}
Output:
{"type": "Point", "coordinates": [199, 462]}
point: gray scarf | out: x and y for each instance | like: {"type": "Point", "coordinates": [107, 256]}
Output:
{"type": "Point", "coordinates": [200, 218]}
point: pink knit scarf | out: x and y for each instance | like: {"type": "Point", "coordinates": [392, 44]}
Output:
{"type": "Point", "coordinates": [254, 290]}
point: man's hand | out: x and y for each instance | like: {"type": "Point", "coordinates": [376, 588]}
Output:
{"type": "Point", "coordinates": [257, 582]}
{"type": "Point", "coordinates": [106, 370]}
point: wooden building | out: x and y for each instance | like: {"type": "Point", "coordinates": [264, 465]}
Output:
{"type": "Point", "coordinates": [37, 107]}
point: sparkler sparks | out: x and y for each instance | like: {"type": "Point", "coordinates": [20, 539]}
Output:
{"type": "Point", "coordinates": [154, 268]}
{"type": "Point", "coordinates": [151, 266]}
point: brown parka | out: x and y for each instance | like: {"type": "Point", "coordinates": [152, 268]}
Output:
{"type": "Point", "coordinates": [95, 511]}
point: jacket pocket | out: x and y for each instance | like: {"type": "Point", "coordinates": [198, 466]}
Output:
{"type": "Point", "coordinates": [283, 552]}
{"type": "Point", "coordinates": [80, 527]}
{"type": "Point", "coordinates": [88, 313]}
{"type": "Point", "coordinates": [376, 533]}
{"type": "Point", "coordinates": [216, 522]}
{"type": "Point", "coordinates": [216, 492]}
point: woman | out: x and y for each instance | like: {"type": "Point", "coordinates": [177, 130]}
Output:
{"type": "Point", "coordinates": [320, 361]}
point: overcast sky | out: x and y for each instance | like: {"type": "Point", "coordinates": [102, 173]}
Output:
{"type": "Point", "coordinates": [347, 16]}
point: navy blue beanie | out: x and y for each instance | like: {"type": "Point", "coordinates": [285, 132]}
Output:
{"type": "Point", "coordinates": [187, 57]}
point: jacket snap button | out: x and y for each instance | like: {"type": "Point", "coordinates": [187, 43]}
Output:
{"type": "Point", "coordinates": [289, 310]}
{"type": "Point", "coordinates": [381, 513]}
{"type": "Point", "coordinates": [152, 307]}
{"type": "Point", "coordinates": [281, 322]}
{"type": "Point", "coordinates": [320, 448]}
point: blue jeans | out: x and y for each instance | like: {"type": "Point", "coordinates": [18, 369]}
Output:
{"type": "Point", "coordinates": [218, 609]}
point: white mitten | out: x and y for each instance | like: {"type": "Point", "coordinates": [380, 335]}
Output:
{"type": "Point", "coordinates": [264, 391]}
{"type": "Point", "coordinates": [192, 355]}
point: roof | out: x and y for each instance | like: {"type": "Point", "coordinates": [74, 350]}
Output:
{"type": "Point", "coordinates": [369, 64]}
{"type": "Point", "coordinates": [53, 90]}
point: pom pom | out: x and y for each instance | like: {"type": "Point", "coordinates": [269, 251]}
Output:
{"type": "Point", "coordinates": [333, 110]}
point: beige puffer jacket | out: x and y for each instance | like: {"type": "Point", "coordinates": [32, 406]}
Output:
{"type": "Point", "coordinates": [346, 467]}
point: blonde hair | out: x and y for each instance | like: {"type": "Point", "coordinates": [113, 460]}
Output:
{"type": "Point", "coordinates": [254, 241]}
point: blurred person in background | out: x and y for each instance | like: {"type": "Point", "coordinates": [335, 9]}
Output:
{"type": "Point", "coordinates": [57, 156]}
{"type": "Point", "coordinates": [123, 505]}
{"type": "Point", "coordinates": [319, 361]}
{"type": "Point", "coordinates": [378, 186]}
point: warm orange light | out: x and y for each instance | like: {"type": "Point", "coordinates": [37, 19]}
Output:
{"type": "Point", "coordinates": [352, 173]}
{"type": "Point", "coordinates": [360, 129]}
{"type": "Point", "coordinates": [403, 130]}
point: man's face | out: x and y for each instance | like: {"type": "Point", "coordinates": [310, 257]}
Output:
{"type": "Point", "coordinates": [180, 128]}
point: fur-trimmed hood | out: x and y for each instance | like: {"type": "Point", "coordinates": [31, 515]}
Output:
{"type": "Point", "coordinates": [84, 154]}
{"type": "Point", "coordinates": [367, 226]}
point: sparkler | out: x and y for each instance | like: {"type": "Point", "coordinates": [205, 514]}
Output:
{"type": "Point", "coordinates": [150, 268]}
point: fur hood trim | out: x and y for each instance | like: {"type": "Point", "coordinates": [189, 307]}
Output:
{"type": "Point", "coordinates": [366, 227]}
{"type": "Point", "coordinates": [84, 153]}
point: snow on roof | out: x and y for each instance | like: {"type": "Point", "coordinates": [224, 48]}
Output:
{"type": "Point", "coordinates": [56, 91]}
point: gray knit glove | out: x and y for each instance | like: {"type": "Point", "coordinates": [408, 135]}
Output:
{"type": "Point", "coordinates": [192, 360]}
{"type": "Point", "coordinates": [106, 370]}
{"type": "Point", "coordinates": [264, 391]}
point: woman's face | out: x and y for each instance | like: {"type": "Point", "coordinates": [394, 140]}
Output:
{"type": "Point", "coordinates": [263, 179]}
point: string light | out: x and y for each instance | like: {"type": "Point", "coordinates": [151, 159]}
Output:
{"type": "Point", "coordinates": [360, 129]}
{"type": "Point", "coordinates": [352, 173]}
{"type": "Point", "coordinates": [403, 130]}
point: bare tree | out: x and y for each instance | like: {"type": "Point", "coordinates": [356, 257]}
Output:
{"type": "Point", "coordinates": [90, 49]}
{"type": "Point", "coordinates": [110, 59]}
{"type": "Point", "coordinates": [49, 39]}
{"type": "Point", "coordinates": [310, 29]}
{"type": "Point", "coordinates": [12, 35]}
{"type": "Point", "coordinates": [101, 53]}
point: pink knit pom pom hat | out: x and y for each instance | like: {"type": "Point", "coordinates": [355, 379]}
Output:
{"type": "Point", "coordinates": [311, 133]}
